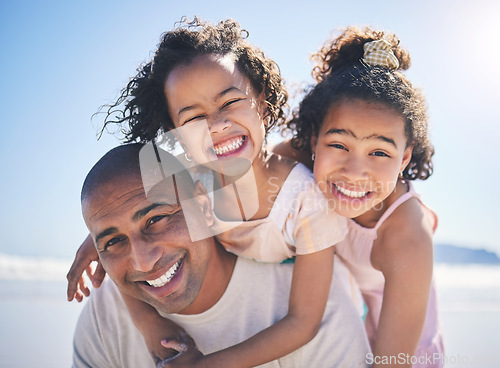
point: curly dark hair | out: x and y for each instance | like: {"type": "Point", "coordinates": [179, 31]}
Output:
{"type": "Point", "coordinates": [342, 75]}
{"type": "Point", "coordinates": [142, 104]}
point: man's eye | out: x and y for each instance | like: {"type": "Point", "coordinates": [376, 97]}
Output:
{"type": "Point", "coordinates": [379, 154]}
{"type": "Point", "coordinates": [338, 146]}
{"type": "Point", "coordinates": [111, 242]}
{"type": "Point", "coordinates": [154, 220]}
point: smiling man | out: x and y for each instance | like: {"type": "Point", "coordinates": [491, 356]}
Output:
{"type": "Point", "coordinates": [143, 239]}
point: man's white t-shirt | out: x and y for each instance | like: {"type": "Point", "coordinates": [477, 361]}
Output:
{"type": "Point", "coordinates": [256, 297]}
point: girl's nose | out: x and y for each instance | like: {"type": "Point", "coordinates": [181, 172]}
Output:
{"type": "Point", "coordinates": [144, 254]}
{"type": "Point", "coordinates": [219, 125]}
{"type": "Point", "coordinates": [354, 169]}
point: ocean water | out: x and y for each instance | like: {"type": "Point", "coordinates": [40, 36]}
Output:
{"type": "Point", "coordinates": [469, 305]}
{"type": "Point", "coordinates": [37, 323]}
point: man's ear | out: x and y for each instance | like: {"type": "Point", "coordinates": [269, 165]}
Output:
{"type": "Point", "coordinates": [201, 197]}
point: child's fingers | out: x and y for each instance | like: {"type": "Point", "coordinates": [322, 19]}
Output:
{"type": "Point", "coordinates": [176, 347]}
{"type": "Point", "coordinates": [98, 275]}
{"type": "Point", "coordinates": [174, 344]}
{"type": "Point", "coordinates": [78, 296]}
{"type": "Point", "coordinates": [74, 275]}
{"type": "Point", "coordinates": [73, 278]}
{"type": "Point", "coordinates": [83, 286]}
{"type": "Point", "coordinates": [164, 355]}
{"type": "Point", "coordinates": [84, 257]}
{"type": "Point", "coordinates": [164, 363]}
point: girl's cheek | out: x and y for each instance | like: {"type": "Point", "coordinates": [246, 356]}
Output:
{"type": "Point", "coordinates": [194, 137]}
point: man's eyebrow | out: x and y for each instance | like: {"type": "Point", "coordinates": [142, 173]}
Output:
{"type": "Point", "coordinates": [226, 91]}
{"type": "Point", "coordinates": [141, 213]}
{"type": "Point", "coordinates": [351, 133]}
{"type": "Point", "coordinates": [104, 233]}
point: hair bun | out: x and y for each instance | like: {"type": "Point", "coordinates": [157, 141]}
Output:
{"type": "Point", "coordinates": [348, 48]}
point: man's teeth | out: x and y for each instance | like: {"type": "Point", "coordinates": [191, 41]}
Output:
{"type": "Point", "coordinates": [163, 280]}
{"type": "Point", "coordinates": [350, 193]}
{"type": "Point", "coordinates": [229, 145]}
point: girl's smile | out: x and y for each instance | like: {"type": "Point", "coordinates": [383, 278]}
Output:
{"type": "Point", "coordinates": [229, 146]}
{"type": "Point", "coordinates": [359, 153]}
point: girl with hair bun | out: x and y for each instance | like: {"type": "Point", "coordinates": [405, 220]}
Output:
{"type": "Point", "coordinates": [365, 128]}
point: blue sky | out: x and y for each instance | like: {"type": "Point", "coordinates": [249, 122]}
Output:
{"type": "Point", "coordinates": [61, 60]}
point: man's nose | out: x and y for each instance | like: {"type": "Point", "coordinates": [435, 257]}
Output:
{"type": "Point", "coordinates": [144, 254]}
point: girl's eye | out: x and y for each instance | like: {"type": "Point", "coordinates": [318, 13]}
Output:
{"type": "Point", "coordinates": [338, 146]}
{"type": "Point", "coordinates": [379, 154]}
{"type": "Point", "coordinates": [197, 117]}
{"type": "Point", "coordinates": [154, 220]}
{"type": "Point", "coordinates": [228, 103]}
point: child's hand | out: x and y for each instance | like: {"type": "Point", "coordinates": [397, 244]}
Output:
{"type": "Point", "coordinates": [156, 329]}
{"type": "Point", "coordinates": [188, 355]}
{"type": "Point", "coordinates": [86, 254]}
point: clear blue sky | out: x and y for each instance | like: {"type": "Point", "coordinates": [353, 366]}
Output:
{"type": "Point", "coordinates": [61, 60]}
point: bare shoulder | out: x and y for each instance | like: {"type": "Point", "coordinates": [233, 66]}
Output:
{"type": "Point", "coordinates": [285, 149]}
{"type": "Point", "coordinates": [404, 241]}
{"type": "Point", "coordinates": [279, 166]}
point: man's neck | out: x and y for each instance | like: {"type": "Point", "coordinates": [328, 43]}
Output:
{"type": "Point", "coordinates": [219, 272]}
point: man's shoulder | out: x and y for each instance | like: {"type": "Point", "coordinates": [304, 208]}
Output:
{"type": "Point", "coordinates": [103, 329]}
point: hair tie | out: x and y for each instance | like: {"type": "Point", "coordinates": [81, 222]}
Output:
{"type": "Point", "coordinates": [380, 53]}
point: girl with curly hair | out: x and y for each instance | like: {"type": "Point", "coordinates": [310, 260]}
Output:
{"type": "Point", "coordinates": [364, 130]}
{"type": "Point", "coordinates": [208, 81]}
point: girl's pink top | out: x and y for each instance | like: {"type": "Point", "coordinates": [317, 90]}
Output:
{"type": "Point", "coordinates": [356, 250]}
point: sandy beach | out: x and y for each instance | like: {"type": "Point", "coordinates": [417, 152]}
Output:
{"type": "Point", "coordinates": [37, 322]}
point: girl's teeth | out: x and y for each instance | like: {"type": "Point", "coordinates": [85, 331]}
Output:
{"type": "Point", "coordinates": [350, 193]}
{"type": "Point", "coordinates": [230, 145]}
{"type": "Point", "coordinates": [164, 279]}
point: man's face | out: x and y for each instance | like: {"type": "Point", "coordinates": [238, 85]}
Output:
{"type": "Point", "coordinates": [145, 246]}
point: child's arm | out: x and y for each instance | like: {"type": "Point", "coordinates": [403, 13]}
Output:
{"type": "Point", "coordinates": [154, 328]}
{"type": "Point", "coordinates": [86, 254]}
{"type": "Point", "coordinates": [405, 258]}
{"type": "Point", "coordinates": [312, 276]}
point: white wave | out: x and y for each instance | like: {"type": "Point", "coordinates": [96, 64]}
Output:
{"type": "Point", "coordinates": [52, 269]}
{"type": "Point", "coordinates": [33, 268]}
{"type": "Point", "coordinates": [467, 276]}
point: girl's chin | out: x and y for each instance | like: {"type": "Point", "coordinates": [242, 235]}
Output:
{"type": "Point", "coordinates": [351, 208]}
{"type": "Point", "coordinates": [349, 213]}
